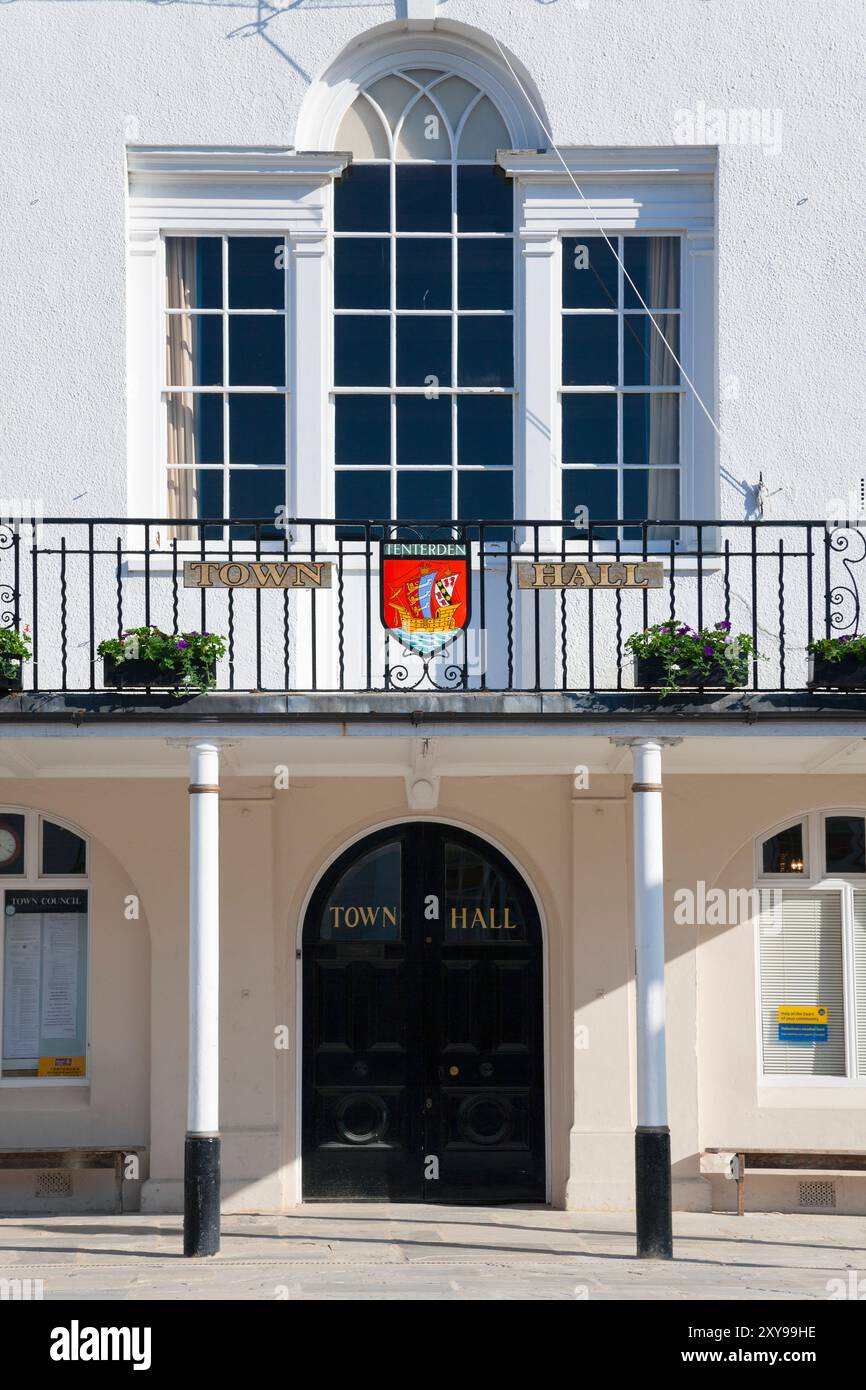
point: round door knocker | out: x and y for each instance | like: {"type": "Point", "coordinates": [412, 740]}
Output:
{"type": "Point", "coordinates": [361, 1119]}
{"type": "Point", "coordinates": [486, 1120]}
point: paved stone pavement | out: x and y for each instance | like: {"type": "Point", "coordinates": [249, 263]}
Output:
{"type": "Point", "coordinates": [417, 1253]}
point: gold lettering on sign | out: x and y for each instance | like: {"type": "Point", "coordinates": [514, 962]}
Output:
{"type": "Point", "coordinates": [549, 574]}
{"type": "Point", "coordinates": [257, 574]}
{"type": "Point", "coordinates": [354, 916]}
{"type": "Point", "coordinates": [460, 920]}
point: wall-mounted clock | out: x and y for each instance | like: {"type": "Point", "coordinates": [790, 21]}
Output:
{"type": "Point", "coordinates": [10, 844]}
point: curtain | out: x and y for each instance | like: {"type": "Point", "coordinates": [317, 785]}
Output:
{"type": "Point", "coordinates": [663, 434]}
{"type": "Point", "coordinates": [180, 368]}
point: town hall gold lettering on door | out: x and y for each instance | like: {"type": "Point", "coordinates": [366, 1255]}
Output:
{"type": "Point", "coordinates": [352, 917]}
{"type": "Point", "coordinates": [467, 919]}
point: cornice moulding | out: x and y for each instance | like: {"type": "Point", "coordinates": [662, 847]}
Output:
{"type": "Point", "coordinates": [600, 161]}
{"type": "Point", "coordinates": [241, 162]}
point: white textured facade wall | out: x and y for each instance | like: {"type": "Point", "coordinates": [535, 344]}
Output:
{"type": "Point", "coordinates": [82, 80]}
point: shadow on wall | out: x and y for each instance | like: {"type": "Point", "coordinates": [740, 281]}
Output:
{"type": "Point", "coordinates": [266, 15]}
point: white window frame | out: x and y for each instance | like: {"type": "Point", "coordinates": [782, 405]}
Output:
{"type": "Point", "coordinates": [813, 877]}
{"type": "Point", "coordinates": [226, 390]}
{"type": "Point", "coordinates": [620, 391]}
{"type": "Point", "coordinates": [247, 191]}
{"type": "Point", "coordinates": [33, 878]}
{"type": "Point", "coordinates": [578, 192]}
{"type": "Point", "coordinates": [243, 191]}
{"type": "Point", "coordinates": [454, 237]}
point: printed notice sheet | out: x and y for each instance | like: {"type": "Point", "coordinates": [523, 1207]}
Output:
{"type": "Point", "coordinates": [59, 975]}
{"type": "Point", "coordinates": [21, 986]}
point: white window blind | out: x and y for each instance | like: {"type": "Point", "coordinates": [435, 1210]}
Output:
{"type": "Point", "coordinates": [801, 963]}
{"type": "Point", "coordinates": [860, 976]}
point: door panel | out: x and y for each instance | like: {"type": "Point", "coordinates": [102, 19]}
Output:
{"type": "Point", "coordinates": [361, 1031]}
{"type": "Point", "coordinates": [423, 1025]}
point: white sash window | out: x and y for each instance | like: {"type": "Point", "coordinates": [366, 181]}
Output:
{"type": "Point", "coordinates": [812, 947]}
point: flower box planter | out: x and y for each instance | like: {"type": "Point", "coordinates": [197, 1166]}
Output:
{"type": "Point", "coordinates": [650, 674]}
{"type": "Point", "coordinates": [147, 658]}
{"type": "Point", "coordinates": [137, 674]}
{"type": "Point", "coordinates": [9, 684]}
{"type": "Point", "coordinates": [847, 674]}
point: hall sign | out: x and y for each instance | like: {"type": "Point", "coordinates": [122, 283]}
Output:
{"type": "Point", "coordinates": [590, 575]}
{"type": "Point", "coordinates": [256, 574]}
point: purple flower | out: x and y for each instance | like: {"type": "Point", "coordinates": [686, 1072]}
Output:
{"type": "Point", "coordinates": [723, 627]}
{"type": "Point", "coordinates": [180, 642]}
{"type": "Point", "coordinates": [683, 631]}
{"type": "Point", "coordinates": [708, 651]}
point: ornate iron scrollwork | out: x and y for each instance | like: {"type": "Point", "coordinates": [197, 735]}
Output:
{"type": "Point", "coordinates": [8, 594]}
{"type": "Point", "coordinates": [844, 599]}
{"type": "Point", "coordinates": [399, 677]}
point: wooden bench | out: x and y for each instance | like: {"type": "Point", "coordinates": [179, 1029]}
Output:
{"type": "Point", "coordinates": [836, 1161]}
{"type": "Point", "coordinates": [40, 1159]}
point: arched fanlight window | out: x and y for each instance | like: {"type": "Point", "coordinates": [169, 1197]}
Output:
{"type": "Point", "coordinates": [424, 304]}
{"type": "Point", "coordinates": [784, 852]}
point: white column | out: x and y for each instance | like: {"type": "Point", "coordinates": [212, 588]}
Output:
{"type": "Point", "coordinates": [203, 1085]}
{"type": "Point", "coordinates": [649, 931]}
{"type": "Point", "coordinates": [652, 1152]}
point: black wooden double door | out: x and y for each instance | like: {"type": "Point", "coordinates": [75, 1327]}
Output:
{"type": "Point", "coordinates": [423, 1067]}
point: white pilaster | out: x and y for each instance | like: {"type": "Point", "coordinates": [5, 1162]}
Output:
{"type": "Point", "coordinates": [310, 490]}
{"type": "Point", "coordinates": [537, 479]}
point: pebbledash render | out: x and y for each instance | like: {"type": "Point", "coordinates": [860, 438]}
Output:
{"type": "Point", "coordinates": [399, 364]}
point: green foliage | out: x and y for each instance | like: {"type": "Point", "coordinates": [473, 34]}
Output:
{"type": "Point", "coordinates": [685, 652]}
{"type": "Point", "coordinates": [14, 649]}
{"type": "Point", "coordinates": [839, 648]}
{"type": "Point", "coordinates": [191, 655]}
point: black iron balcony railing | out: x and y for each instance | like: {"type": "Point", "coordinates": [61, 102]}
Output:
{"type": "Point", "coordinates": [316, 606]}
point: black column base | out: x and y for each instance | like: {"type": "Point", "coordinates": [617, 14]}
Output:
{"type": "Point", "coordinates": [201, 1195]}
{"type": "Point", "coordinates": [652, 1165]}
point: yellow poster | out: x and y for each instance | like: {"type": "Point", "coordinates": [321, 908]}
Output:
{"type": "Point", "coordinates": [61, 1066]}
{"type": "Point", "coordinates": [803, 1013]}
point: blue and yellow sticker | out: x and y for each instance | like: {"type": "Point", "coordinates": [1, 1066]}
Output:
{"type": "Point", "coordinates": [803, 1023]}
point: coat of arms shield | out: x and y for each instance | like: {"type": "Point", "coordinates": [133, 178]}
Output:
{"type": "Point", "coordinates": [425, 592]}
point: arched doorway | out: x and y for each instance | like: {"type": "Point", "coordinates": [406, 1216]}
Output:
{"type": "Point", "coordinates": [423, 1057]}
